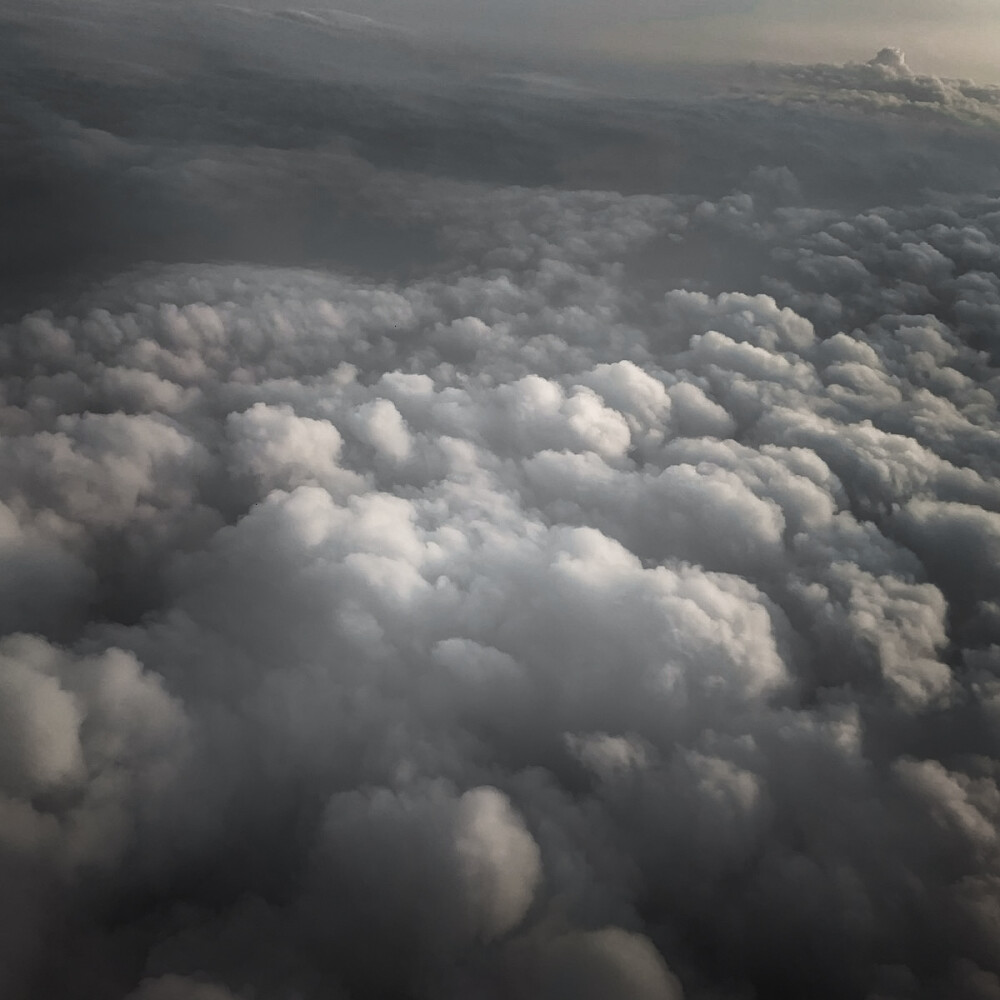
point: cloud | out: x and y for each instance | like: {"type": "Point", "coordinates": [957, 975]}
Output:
{"type": "Point", "coordinates": [178, 988]}
{"type": "Point", "coordinates": [436, 574]}
{"type": "Point", "coordinates": [887, 83]}
{"type": "Point", "coordinates": [603, 604]}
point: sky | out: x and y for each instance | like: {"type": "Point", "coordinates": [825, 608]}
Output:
{"type": "Point", "coordinates": [960, 38]}
{"type": "Point", "coordinates": [487, 514]}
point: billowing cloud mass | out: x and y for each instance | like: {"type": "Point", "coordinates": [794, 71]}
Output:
{"type": "Point", "coordinates": [496, 540]}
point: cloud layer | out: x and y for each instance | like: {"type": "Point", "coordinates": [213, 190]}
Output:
{"type": "Point", "coordinates": [603, 604]}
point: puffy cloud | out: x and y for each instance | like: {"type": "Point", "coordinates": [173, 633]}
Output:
{"type": "Point", "coordinates": [499, 861]}
{"type": "Point", "coordinates": [86, 741]}
{"type": "Point", "coordinates": [178, 988]}
{"type": "Point", "coordinates": [411, 578]}
{"type": "Point", "coordinates": [886, 82]}
{"type": "Point", "coordinates": [606, 606]}
{"type": "Point", "coordinates": [282, 450]}
{"type": "Point", "coordinates": [601, 964]}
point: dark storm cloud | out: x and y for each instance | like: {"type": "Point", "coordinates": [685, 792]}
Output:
{"type": "Point", "coordinates": [598, 599]}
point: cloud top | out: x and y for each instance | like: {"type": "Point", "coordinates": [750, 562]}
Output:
{"type": "Point", "coordinates": [602, 605]}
